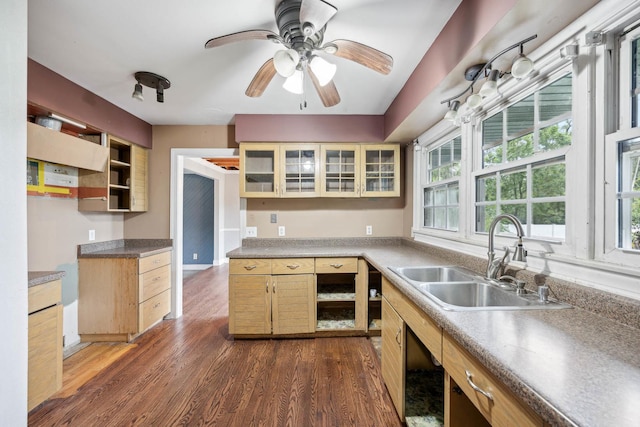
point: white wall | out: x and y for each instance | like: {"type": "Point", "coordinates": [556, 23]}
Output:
{"type": "Point", "coordinates": [13, 213]}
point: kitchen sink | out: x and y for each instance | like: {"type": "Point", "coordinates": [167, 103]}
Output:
{"type": "Point", "coordinates": [432, 274]}
{"type": "Point", "coordinates": [456, 289]}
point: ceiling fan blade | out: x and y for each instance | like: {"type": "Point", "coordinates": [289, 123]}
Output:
{"type": "Point", "coordinates": [328, 93]}
{"type": "Point", "coordinates": [262, 79]}
{"type": "Point", "coordinates": [362, 54]}
{"type": "Point", "coordinates": [241, 36]}
{"type": "Point", "coordinates": [314, 14]}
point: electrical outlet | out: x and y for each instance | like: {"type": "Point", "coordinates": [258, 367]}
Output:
{"type": "Point", "coordinates": [251, 232]}
{"type": "Point", "coordinates": [92, 235]}
{"type": "Point", "coordinates": [281, 230]}
{"type": "Point", "coordinates": [369, 230]}
{"type": "Point", "coordinates": [195, 255]}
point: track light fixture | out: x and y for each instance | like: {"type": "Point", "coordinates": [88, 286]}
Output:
{"type": "Point", "coordinates": [452, 113]}
{"type": "Point", "coordinates": [520, 68]}
{"type": "Point", "coordinates": [152, 80]}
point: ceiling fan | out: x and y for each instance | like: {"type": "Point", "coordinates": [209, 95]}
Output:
{"type": "Point", "coordinates": [301, 24]}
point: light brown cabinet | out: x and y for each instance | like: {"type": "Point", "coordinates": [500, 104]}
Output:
{"type": "Point", "coordinates": [319, 170]}
{"type": "Point", "coordinates": [325, 296]}
{"type": "Point", "coordinates": [492, 399]}
{"type": "Point", "coordinates": [122, 187]}
{"type": "Point", "coordinates": [45, 341]}
{"type": "Point", "coordinates": [120, 298]}
{"type": "Point", "coordinates": [393, 355]}
{"type": "Point", "coordinates": [271, 296]}
{"type": "Point", "coordinates": [472, 395]}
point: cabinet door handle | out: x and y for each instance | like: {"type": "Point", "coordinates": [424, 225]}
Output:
{"type": "Point", "coordinates": [250, 267]}
{"type": "Point", "coordinates": [266, 284]}
{"type": "Point", "coordinates": [476, 388]}
{"type": "Point", "coordinates": [336, 265]}
{"type": "Point", "coordinates": [274, 288]}
{"type": "Point", "coordinates": [398, 337]}
{"type": "Point", "coordinates": [293, 266]}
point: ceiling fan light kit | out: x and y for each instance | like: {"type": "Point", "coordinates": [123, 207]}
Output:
{"type": "Point", "coordinates": [286, 62]}
{"type": "Point", "coordinates": [520, 68]}
{"type": "Point", "coordinates": [301, 26]}
{"type": "Point", "coordinates": [152, 80]}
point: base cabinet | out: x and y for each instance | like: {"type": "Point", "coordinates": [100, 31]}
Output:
{"type": "Point", "coordinates": [393, 355]}
{"type": "Point", "coordinates": [472, 395]}
{"type": "Point", "coordinates": [45, 342]}
{"type": "Point", "coordinates": [284, 296]}
{"type": "Point", "coordinates": [491, 398]}
{"type": "Point", "coordinates": [271, 296]}
{"type": "Point", "coordinates": [120, 298]}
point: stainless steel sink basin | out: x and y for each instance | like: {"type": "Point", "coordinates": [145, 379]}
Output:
{"type": "Point", "coordinates": [433, 274]}
{"type": "Point", "coordinates": [458, 290]}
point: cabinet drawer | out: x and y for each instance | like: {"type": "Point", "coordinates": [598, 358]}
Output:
{"type": "Point", "coordinates": [503, 408]}
{"type": "Point", "coordinates": [153, 309]}
{"type": "Point", "coordinates": [153, 282]}
{"type": "Point", "coordinates": [292, 266]}
{"type": "Point", "coordinates": [44, 295]}
{"type": "Point", "coordinates": [336, 265]}
{"type": "Point", "coordinates": [250, 266]}
{"type": "Point", "coordinates": [154, 261]}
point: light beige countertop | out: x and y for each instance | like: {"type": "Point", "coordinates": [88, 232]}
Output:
{"type": "Point", "coordinates": [125, 248]}
{"type": "Point", "coordinates": [572, 366]}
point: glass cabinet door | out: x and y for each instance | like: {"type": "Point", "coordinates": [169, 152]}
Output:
{"type": "Point", "coordinates": [301, 170]}
{"type": "Point", "coordinates": [340, 170]}
{"type": "Point", "coordinates": [258, 170]}
{"type": "Point", "coordinates": [380, 170]}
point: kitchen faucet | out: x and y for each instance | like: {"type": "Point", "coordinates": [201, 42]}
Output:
{"type": "Point", "coordinates": [520, 254]}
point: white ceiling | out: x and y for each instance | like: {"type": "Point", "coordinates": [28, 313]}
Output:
{"type": "Point", "coordinates": [100, 45]}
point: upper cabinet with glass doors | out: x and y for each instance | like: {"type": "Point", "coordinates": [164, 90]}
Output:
{"type": "Point", "coordinates": [380, 171]}
{"type": "Point", "coordinates": [259, 170]}
{"type": "Point", "coordinates": [319, 170]}
{"type": "Point", "coordinates": [340, 170]}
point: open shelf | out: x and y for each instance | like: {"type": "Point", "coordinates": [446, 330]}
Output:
{"type": "Point", "coordinates": [336, 292]}
{"type": "Point", "coordinates": [336, 318]}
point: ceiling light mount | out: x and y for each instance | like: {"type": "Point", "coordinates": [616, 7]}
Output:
{"type": "Point", "coordinates": [522, 67]}
{"type": "Point", "coordinates": [152, 80]}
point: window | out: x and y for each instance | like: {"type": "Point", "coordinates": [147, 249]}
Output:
{"type": "Point", "coordinates": [440, 195]}
{"type": "Point", "coordinates": [522, 147]}
{"type": "Point", "coordinates": [628, 196]}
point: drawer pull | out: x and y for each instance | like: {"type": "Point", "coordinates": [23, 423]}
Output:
{"type": "Point", "coordinates": [336, 265]}
{"type": "Point", "coordinates": [250, 267]}
{"type": "Point", "coordinates": [156, 261]}
{"type": "Point", "coordinates": [156, 305]}
{"type": "Point", "coordinates": [292, 266]}
{"type": "Point", "coordinates": [155, 279]}
{"type": "Point", "coordinates": [476, 388]}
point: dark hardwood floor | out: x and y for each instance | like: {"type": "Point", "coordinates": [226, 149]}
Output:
{"type": "Point", "coordinates": [190, 371]}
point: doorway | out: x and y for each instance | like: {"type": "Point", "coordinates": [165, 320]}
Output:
{"type": "Point", "coordinates": [226, 209]}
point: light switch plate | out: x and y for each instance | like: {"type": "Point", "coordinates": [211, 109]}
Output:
{"type": "Point", "coordinates": [274, 218]}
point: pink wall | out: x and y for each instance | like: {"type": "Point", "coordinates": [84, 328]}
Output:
{"type": "Point", "coordinates": [48, 89]}
{"type": "Point", "coordinates": [314, 128]}
{"type": "Point", "coordinates": [468, 25]}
